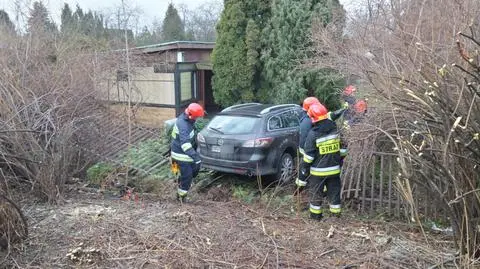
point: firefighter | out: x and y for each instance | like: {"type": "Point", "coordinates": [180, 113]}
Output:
{"type": "Point", "coordinates": [305, 126]}
{"type": "Point", "coordinates": [305, 122]}
{"type": "Point", "coordinates": [182, 151]}
{"type": "Point", "coordinates": [352, 115]}
{"type": "Point", "coordinates": [348, 95]}
{"type": "Point", "coordinates": [321, 162]}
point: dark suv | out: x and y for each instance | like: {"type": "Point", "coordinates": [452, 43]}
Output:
{"type": "Point", "coordinates": [252, 139]}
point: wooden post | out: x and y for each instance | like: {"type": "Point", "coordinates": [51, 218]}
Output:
{"type": "Point", "coordinates": [381, 181]}
{"type": "Point", "coordinates": [364, 188]}
{"type": "Point", "coordinates": [372, 188]}
{"type": "Point", "coordinates": [350, 177]}
{"type": "Point", "coordinates": [359, 178]}
{"type": "Point", "coordinates": [390, 184]}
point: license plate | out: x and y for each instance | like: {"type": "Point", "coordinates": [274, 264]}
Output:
{"type": "Point", "coordinates": [215, 148]}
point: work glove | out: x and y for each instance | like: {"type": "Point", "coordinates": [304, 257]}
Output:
{"type": "Point", "coordinates": [196, 168]}
{"type": "Point", "coordinates": [300, 186]}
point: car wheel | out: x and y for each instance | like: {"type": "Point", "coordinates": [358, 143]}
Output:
{"type": "Point", "coordinates": [286, 168]}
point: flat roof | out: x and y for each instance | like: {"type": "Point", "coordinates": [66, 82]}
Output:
{"type": "Point", "coordinates": [176, 45]}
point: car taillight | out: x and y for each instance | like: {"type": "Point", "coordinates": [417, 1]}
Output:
{"type": "Point", "coordinates": [258, 143]}
{"type": "Point", "coordinates": [200, 138]}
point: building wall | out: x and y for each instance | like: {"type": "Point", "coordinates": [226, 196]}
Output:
{"type": "Point", "coordinates": [148, 87]}
{"type": "Point", "coordinates": [170, 56]}
{"type": "Point", "coordinates": [197, 55]}
{"type": "Point", "coordinates": [152, 117]}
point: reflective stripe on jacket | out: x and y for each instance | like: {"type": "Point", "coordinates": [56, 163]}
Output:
{"type": "Point", "coordinates": [182, 139]}
{"type": "Point", "coordinates": [322, 149]}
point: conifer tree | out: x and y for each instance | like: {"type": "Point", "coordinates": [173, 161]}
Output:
{"type": "Point", "coordinates": [6, 25]}
{"type": "Point", "coordinates": [39, 20]}
{"type": "Point", "coordinates": [172, 28]}
{"type": "Point", "coordinates": [288, 45]}
{"type": "Point", "coordinates": [236, 57]}
{"type": "Point", "coordinates": [66, 19]}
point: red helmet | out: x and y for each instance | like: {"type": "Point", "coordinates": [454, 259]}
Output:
{"type": "Point", "coordinates": [360, 106]}
{"type": "Point", "coordinates": [309, 101]}
{"type": "Point", "coordinates": [317, 112]}
{"type": "Point", "coordinates": [194, 111]}
{"type": "Point", "coordinates": [349, 90]}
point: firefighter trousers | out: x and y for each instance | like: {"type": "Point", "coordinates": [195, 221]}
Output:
{"type": "Point", "coordinates": [316, 185]}
{"type": "Point", "coordinates": [188, 170]}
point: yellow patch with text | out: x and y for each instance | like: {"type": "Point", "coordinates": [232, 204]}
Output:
{"type": "Point", "coordinates": [329, 148]}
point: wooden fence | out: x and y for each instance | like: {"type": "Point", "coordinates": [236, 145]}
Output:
{"type": "Point", "coordinates": [372, 189]}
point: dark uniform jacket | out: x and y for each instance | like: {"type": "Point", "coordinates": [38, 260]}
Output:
{"type": "Point", "coordinates": [322, 150]}
{"type": "Point", "coordinates": [183, 137]}
{"type": "Point", "coordinates": [305, 126]}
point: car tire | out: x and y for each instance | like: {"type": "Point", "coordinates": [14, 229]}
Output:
{"type": "Point", "coordinates": [285, 169]}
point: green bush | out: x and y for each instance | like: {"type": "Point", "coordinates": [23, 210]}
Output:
{"type": "Point", "coordinates": [98, 172]}
{"type": "Point", "coordinates": [146, 155]}
{"type": "Point", "coordinates": [244, 193]}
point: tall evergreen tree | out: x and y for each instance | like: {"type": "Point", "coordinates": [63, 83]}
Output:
{"type": "Point", "coordinates": [173, 28]}
{"type": "Point", "coordinates": [39, 20]}
{"type": "Point", "coordinates": [144, 38]}
{"type": "Point", "coordinates": [67, 20]}
{"type": "Point", "coordinates": [6, 25]}
{"type": "Point", "coordinates": [236, 63]}
{"type": "Point", "coordinates": [288, 44]}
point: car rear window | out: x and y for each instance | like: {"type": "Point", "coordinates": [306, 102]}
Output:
{"type": "Point", "coordinates": [233, 124]}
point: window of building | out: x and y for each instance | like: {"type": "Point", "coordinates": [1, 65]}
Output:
{"type": "Point", "coordinates": [122, 75]}
{"type": "Point", "coordinates": [186, 86]}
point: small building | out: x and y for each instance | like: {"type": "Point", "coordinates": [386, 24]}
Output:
{"type": "Point", "coordinates": [164, 79]}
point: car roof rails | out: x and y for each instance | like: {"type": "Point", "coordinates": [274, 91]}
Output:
{"type": "Point", "coordinates": [239, 106]}
{"type": "Point", "coordinates": [276, 107]}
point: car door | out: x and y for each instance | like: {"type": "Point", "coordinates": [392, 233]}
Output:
{"type": "Point", "coordinates": [291, 125]}
{"type": "Point", "coordinates": [274, 131]}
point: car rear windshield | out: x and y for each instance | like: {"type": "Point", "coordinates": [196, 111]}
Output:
{"type": "Point", "coordinates": [233, 124]}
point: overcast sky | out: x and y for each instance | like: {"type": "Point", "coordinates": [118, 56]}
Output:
{"type": "Point", "coordinates": [150, 8]}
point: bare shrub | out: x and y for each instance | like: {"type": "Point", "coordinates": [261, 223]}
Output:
{"type": "Point", "coordinates": [47, 108]}
{"type": "Point", "coordinates": [422, 73]}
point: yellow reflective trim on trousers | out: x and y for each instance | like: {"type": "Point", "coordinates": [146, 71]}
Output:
{"type": "Point", "coordinates": [335, 210]}
{"type": "Point", "coordinates": [181, 157]}
{"type": "Point", "coordinates": [182, 192]}
{"type": "Point", "coordinates": [315, 211]}
{"type": "Point", "coordinates": [326, 171]}
{"type": "Point", "coordinates": [324, 174]}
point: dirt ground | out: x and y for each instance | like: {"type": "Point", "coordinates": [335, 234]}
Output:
{"type": "Point", "coordinates": [95, 230]}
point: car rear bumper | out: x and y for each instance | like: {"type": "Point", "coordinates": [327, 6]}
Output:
{"type": "Point", "coordinates": [249, 168]}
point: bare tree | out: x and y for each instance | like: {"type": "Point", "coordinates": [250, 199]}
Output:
{"type": "Point", "coordinates": [200, 22]}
